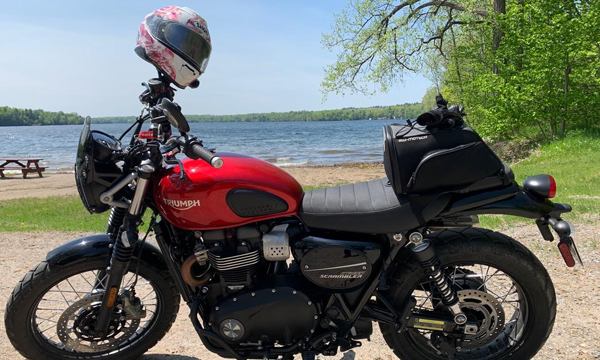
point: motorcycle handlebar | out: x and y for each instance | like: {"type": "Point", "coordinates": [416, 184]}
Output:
{"type": "Point", "coordinates": [193, 149]}
{"type": "Point", "coordinates": [196, 151]}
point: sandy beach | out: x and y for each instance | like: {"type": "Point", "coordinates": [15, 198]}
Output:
{"type": "Point", "coordinates": [576, 332]}
{"type": "Point", "coordinates": [15, 187]}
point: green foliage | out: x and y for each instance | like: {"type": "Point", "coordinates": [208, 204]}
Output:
{"type": "Point", "coordinates": [378, 41]}
{"type": "Point", "coordinates": [18, 117]}
{"type": "Point", "coordinates": [521, 68]}
{"type": "Point", "coordinates": [549, 70]}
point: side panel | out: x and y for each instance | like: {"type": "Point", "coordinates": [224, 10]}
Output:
{"type": "Point", "coordinates": [200, 202]}
{"type": "Point", "coordinates": [336, 264]}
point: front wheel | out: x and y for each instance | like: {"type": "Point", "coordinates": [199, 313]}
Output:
{"type": "Point", "coordinates": [501, 285]}
{"type": "Point", "coordinates": [51, 313]}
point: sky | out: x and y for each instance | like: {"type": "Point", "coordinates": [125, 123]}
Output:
{"type": "Point", "coordinates": [77, 56]}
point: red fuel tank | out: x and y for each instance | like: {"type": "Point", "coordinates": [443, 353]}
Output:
{"type": "Point", "coordinates": [243, 190]}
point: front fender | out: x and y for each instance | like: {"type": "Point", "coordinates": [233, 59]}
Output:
{"type": "Point", "coordinates": [97, 246]}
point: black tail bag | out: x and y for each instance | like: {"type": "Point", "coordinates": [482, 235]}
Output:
{"type": "Point", "coordinates": [420, 160]}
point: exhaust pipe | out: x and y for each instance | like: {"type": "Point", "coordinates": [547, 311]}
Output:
{"type": "Point", "coordinates": [192, 273]}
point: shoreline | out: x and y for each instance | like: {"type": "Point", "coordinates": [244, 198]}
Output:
{"type": "Point", "coordinates": [63, 184]}
{"type": "Point", "coordinates": [284, 166]}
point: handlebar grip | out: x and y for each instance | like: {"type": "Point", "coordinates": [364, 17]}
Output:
{"type": "Point", "coordinates": [198, 152]}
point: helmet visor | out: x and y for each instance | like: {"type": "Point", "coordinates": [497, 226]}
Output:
{"type": "Point", "coordinates": [184, 41]}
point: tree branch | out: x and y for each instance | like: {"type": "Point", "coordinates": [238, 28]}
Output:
{"type": "Point", "coordinates": [439, 3]}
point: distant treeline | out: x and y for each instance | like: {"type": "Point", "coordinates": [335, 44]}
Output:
{"type": "Point", "coordinates": [404, 111]}
{"type": "Point", "coordinates": [23, 117]}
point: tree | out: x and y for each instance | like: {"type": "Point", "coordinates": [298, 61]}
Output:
{"type": "Point", "coordinates": [550, 73]}
{"type": "Point", "coordinates": [521, 67]}
{"type": "Point", "coordinates": [379, 41]}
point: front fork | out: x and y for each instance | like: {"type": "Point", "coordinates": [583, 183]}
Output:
{"type": "Point", "coordinates": [123, 249]}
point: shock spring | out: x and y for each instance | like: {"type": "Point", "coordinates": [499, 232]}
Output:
{"type": "Point", "coordinates": [424, 252]}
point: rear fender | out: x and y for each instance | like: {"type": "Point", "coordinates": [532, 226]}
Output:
{"type": "Point", "coordinates": [510, 201]}
{"type": "Point", "coordinates": [97, 246]}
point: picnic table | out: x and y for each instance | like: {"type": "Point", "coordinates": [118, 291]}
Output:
{"type": "Point", "coordinates": [25, 165]}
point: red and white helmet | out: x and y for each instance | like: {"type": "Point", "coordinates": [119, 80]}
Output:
{"type": "Point", "coordinates": [175, 40]}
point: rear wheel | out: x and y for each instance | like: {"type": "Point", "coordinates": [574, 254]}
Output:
{"type": "Point", "coordinates": [51, 313]}
{"type": "Point", "coordinates": [501, 285]}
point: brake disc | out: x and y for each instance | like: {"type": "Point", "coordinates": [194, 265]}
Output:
{"type": "Point", "coordinates": [487, 311]}
{"type": "Point", "coordinates": [74, 331]}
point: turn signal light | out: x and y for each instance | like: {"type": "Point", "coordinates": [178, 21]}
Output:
{"type": "Point", "coordinates": [543, 186]}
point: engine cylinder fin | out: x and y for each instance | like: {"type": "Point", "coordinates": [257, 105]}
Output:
{"type": "Point", "coordinates": [236, 269]}
{"type": "Point", "coordinates": [234, 262]}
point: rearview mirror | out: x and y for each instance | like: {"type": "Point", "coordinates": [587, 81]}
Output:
{"type": "Point", "coordinates": [174, 115]}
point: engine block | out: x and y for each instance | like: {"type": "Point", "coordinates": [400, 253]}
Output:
{"type": "Point", "coordinates": [267, 314]}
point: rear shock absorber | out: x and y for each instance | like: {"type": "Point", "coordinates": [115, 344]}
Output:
{"type": "Point", "coordinates": [425, 255]}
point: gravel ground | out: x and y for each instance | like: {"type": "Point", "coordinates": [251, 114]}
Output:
{"type": "Point", "coordinates": [576, 333]}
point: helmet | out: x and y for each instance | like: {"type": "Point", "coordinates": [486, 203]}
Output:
{"type": "Point", "coordinates": [176, 41]}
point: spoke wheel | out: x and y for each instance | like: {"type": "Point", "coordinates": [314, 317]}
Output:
{"type": "Point", "coordinates": [488, 297]}
{"type": "Point", "coordinates": [51, 314]}
{"type": "Point", "coordinates": [66, 313]}
{"type": "Point", "coordinates": [501, 286]}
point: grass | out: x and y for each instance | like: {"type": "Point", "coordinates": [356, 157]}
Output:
{"type": "Point", "coordinates": [65, 213]}
{"type": "Point", "coordinates": [574, 162]}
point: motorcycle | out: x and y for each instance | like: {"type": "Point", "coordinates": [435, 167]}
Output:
{"type": "Point", "coordinates": [269, 271]}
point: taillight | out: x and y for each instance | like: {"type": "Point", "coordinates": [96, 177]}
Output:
{"type": "Point", "coordinates": [552, 192]}
{"type": "Point", "coordinates": [543, 186]}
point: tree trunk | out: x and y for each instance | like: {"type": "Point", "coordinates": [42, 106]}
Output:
{"type": "Point", "coordinates": [520, 61]}
{"type": "Point", "coordinates": [499, 8]}
{"type": "Point", "coordinates": [566, 108]}
{"type": "Point", "coordinates": [458, 75]}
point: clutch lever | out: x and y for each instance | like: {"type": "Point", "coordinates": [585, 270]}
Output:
{"type": "Point", "coordinates": [173, 146]}
{"type": "Point", "coordinates": [181, 169]}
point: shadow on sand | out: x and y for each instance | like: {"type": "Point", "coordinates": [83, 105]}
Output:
{"type": "Point", "coordinates": [167, 357]}
{"type": "Point", "coordinates": [350, 355]}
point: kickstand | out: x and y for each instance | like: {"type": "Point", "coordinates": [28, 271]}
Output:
{"type": "Point", "coordinates": [267, 354]}
{"type": "Point", "coordinates": [308, 355]}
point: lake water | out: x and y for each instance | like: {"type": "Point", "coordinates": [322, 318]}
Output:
{"type": "Point", "coordinates": [281, 143]}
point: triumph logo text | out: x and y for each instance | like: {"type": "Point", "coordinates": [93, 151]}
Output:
{"type": "Point", "coordinates": [182, 204]}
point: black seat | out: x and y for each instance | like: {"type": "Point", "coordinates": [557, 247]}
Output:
{"type": "Point", "coordinates": [367, 207]}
